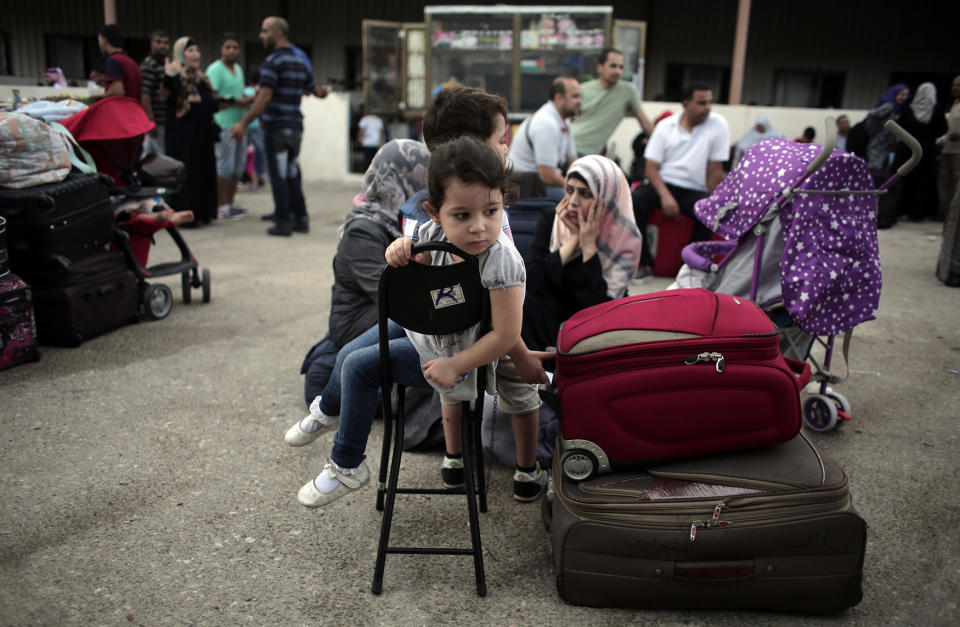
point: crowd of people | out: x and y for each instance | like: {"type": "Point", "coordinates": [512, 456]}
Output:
{"type": "Point", "coordinates": [457, 186]}
{"type": "Point", "coordinates": [206, 118]}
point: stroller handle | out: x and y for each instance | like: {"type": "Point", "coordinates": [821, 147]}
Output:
{"type": "Point", "coordinates": [828, 144]}
{"type": "Point", "coordinates": [915, 150]}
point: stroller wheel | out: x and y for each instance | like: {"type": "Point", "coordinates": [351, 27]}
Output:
{"type": "Point", "coordinates": [820, 412]}
{"type": "Point", "coordinates": [205, 284]}
{"type": "Point", "coordinates": [840, 401]}
{"type": "Point", "coordinates": [157, 301]}
{"type": "Point", "coordinates": [185, 286]}
{"type": "Point", "coordinates": [578, 465]}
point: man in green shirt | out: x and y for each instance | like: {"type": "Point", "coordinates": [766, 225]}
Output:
{"type": "Point", "coordinates": [226, 77]}
{"type": "Point", "coordinates": [605, 103]}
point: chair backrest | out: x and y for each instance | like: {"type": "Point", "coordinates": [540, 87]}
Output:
{"type": "Point", "coordinates": [434, 299]}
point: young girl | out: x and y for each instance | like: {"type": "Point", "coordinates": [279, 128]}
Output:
{"type": "Point", "coordinates": [466, 183]}
{"type": "Point", "coordinates": [465, 201]}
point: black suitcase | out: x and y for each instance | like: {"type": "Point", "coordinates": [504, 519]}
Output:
{"type": "Point", "coordinates": [948, 265]}
{"type": "Point", "coordinates": [773, 528]}
{"type": "Point", "coordinates": [98, 294]}
{"type": "Point", "coordinates": [50, 226]}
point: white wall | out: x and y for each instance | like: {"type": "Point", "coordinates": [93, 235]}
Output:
{"type": "Point", "coordinates": [788, 120]}
{"type": "Point", "coordinates": [325, 151]}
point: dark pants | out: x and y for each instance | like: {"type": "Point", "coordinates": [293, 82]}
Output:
{"type": "Point", "coordinates": [282, 150]}
{"type": "Point", "coordinates": [646, 199]}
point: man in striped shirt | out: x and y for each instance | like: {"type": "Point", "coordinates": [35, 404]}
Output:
{"type": "Point", "coordinates": [284, 78]}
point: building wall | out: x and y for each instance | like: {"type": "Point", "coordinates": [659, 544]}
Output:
{"type": "Point", "coordinates": [868, 40]}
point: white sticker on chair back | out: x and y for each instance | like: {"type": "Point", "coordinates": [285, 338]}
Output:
{"type": "Point", "coordinates": [447, 296]}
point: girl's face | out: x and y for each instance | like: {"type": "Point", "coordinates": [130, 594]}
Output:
{"type": "Point", "coordinates": [579, 198]}
{"type": "Point", "coordinates": [191, 57]}
{"type": "Point", "coordinates": [470, 215]}
{"type": "Point", "coordinates": [498, 139]}
{"type": "Point", "coordinates": [903, 95]}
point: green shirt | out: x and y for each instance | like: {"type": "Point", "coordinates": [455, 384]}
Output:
{"type": "Point", "coordinates": [228, 85]}
{"type": "Point", "coordinates": [601, 112]}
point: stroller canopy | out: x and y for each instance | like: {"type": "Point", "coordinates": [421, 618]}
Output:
{"type": "Point", "coordinates": [830, 269]}
{"type": "Point", "coordinates": [112, 131]}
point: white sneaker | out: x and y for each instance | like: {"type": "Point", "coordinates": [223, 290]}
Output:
{"type": "Point", "coordinates": [310, 496]}
{"type": "Point", "coordinates": [296, 436]}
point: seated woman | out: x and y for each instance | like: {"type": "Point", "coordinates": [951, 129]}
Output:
{"type": "Point", "coordinates": [583, 253]}
{"type": "Point", "coordinates": [398, 171]}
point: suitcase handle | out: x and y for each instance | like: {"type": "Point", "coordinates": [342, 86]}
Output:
{"type": "Point", "coordinates": [713, 571]}
{"type": "Point", "coordinates": [103, 290]}
{"type": "Point", "coordinates": [800, 368]}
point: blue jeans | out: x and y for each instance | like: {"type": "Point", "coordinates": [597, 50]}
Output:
{"type": "Point", "coordinates": [352, 389]}
{"type": "Point", "coordinates": [282, 148]}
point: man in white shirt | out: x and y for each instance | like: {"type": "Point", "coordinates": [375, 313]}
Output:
{"type": "Point", "coordinates": [843, 131]}
{"type": "Point", "coordinates": [544, 144]}
{"type": "Point", "coordinates": [372, 136]}
{"type": "Point", "coordinates": [685, 157]}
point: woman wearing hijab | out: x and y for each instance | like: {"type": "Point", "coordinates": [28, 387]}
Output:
{"type": "Point", "coordinates": [881, 144]}
{"type": "Point", "coordinates": [583, 253]}
{"type": "Point", "coordinates": [926, 122]}
{"type": "Point", "coordinates": [761, 130]}
{"type": "Point", "coordinates": [190, 131]}
{"type": "Point", "coordinates": [877, 145]}
{"type": "Point", "coordinates": [398, 171]}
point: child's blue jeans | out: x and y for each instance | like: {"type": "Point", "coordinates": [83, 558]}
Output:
{"type": "Point", "coordinates": [353, 386]}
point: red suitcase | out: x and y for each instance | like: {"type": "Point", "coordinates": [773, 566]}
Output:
{"type": "Point", "coordinates": [672, 374]}
{"type": "Point", "coordinates": [667, 237]}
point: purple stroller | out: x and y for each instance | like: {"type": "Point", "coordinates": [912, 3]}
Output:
{"type": "Point", "coordinates": [816, 270]}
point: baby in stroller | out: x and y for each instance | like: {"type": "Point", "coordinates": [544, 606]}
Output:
{"type": "Point", "coordinates": [799, 224]}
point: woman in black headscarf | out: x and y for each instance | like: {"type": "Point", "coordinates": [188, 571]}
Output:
{"type": "Point", "coordinates": [190, 131]}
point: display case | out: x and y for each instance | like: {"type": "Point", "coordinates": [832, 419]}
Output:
{"type": "Point", "coordinates": [514, 51]}
{"type": "Point", "coordinates": [394, 67]}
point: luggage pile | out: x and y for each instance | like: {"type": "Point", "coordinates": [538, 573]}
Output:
{"type": "Point", "coordinates": [56, 238]}
{"type": "Point", "coordinates": [681, 478]}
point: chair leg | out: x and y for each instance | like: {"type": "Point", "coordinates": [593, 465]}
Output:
{"type": "Point", "coordinates": [466, 435]}
{"type": "Point", "coordinates": [391, 495]}
{"type": "Point", "coordinates": [478, 448]}
{"type": "Point", "coordinates": [385, 453]}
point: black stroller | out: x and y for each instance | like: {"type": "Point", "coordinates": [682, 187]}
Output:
{"type": "Point", "coordinates": [112, 131]}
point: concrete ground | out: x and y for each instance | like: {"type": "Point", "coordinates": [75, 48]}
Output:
{"type": "Point", "coordinates": [144, 479]}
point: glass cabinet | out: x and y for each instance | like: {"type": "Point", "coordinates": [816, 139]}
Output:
{"type": "Point", "coordinates": [514, 51]}
{"type": "Point", "coordinates": [394, 67]}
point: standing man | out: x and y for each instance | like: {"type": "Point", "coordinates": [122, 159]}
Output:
{"type": "Point", "coordinates": [284, 78]}
{"type": "Point", "coordinates": [843, 129]}
{"type": "Point", "coordinates": [153, 95]}
{"type": "Point", "coordinates": [685, 158]}
{"type": "Point", "coordinates": [949, 174]}
{"type": "Point", "coordinates": [226, 77]}
{"type": "Point", "coordinates": [544, 143]}
{"type": "Point", "coordinates": [122, 75]}
{"type": "Point", "coordinates": [605, 103]}
{"type": "Point", "coordinates": [371, 135]}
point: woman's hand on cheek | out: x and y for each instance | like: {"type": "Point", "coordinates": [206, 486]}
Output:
{"type": "Point", "coordinates": [441, 371]}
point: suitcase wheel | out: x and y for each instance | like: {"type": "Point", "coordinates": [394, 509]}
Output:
{"type": "Point", "coordinates": [157, 301]}
{"type": "Point", "coordinates": [578, 464]}
{"type": "Point", "coordinates": [205, 284]}
{"type": "Point", "coordinates": [820, 412]}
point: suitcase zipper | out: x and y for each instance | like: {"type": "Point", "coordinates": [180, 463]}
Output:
{"type": "Point", "coordinates": [671, 357]}
{"type": "Point", "coordinates": [709, 357]}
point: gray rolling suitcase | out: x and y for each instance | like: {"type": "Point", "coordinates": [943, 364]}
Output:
{"type": "Point", "coordinates": [771, 528]}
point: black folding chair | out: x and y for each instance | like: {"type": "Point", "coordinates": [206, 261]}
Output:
{"type": "Point", "coordinates": [431, 300]}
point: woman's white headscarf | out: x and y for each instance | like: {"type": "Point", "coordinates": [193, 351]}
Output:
{"type": "Point", "coordinates": [923, 102]}
{"type": "Point", "coordinates": [619, 242]}
{"type": "Point", "coordinates": [753, 135]}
